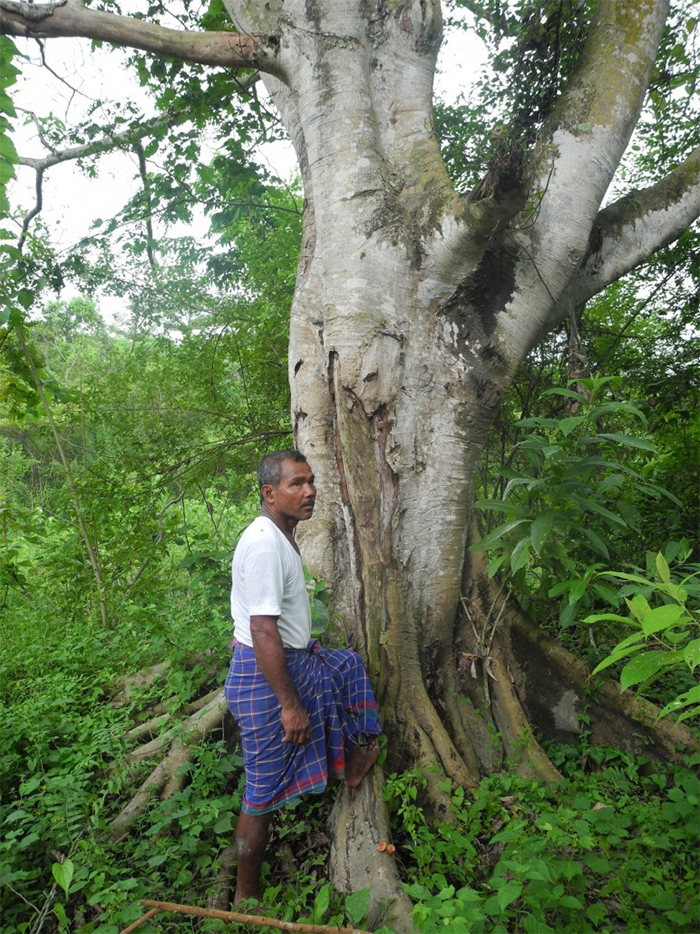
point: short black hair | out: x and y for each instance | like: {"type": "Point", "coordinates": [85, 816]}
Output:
{"type": "Point", "coordinates": [270, 467]}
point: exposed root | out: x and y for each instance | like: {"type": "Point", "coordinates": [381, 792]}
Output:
{"type": "Point", "coordinates": [149, 727]}
{"type": "Point", "coordinates": [153, 747]}
{"type": "Point", "coordinates": [139, 681]}
{"type": "Point", "coordinates": [358, 821]}
{"type": "Point", "coordinates": [556, 690]}
{"type": "Point", "coordinates": [472, 731]}
{"type": "Point", "coordinates": [169, 773]}
{"type": "Point", "coordinates": [520, 745]}
{"type": "Point", "coordinates": [434, 741]}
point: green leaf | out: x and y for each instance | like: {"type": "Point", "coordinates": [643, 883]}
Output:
{"type": "Point", "coordinates": [356, 905]}
{"type": "Point", "coordinates": [629, 440]}
{"type": "Point", "coordinates": [683, 700]}
{"type": "Point", "coordinates": [662, 569]}
{"type": "Point", "coordinates": [520, 555]}
{"type": "Point", "coordinates": [598, 544]}
{"type": "Point", "coordinates": [567, 425]}
{"type": "Point", "coordinates": [607, 618]}
{"type": "Point", "coordinates": [540, 529]}
{"type": "Point", "coordinates": [508, 893]}
{"type": "Point", "coordinates": [644, 666]}
{"type": "Point", "coordinates": [592, 506]}
{"type": "Point", "coordinates": [63, 874]}
{"type": "Point", "coordinates": [662, 617]}
{"type": "Point", "coordinates": [568, 393]}
{"type": "Point", "coordinates": [577, 591]}
{"type": "Point", "coordinates": [322, 902]}
{"type": "Point", "coordinates": [691, 654]}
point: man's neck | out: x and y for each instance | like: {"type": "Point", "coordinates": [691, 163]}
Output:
{"type": "Point", "coordinates": [287, 526]}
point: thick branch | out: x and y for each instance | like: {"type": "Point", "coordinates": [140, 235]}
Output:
{"type": "Point", "coordinates": [581, 145]}
{"type": "Point", "coordinates": [630, 230]}
{"type": "Point", "coordinates": [71, 18]}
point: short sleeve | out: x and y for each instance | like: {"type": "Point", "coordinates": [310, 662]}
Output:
{"type": "Point", "coordinates": [263, 582]}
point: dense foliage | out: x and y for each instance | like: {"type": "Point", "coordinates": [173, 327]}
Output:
{"type": "Point", "coordinates": [126, 454]}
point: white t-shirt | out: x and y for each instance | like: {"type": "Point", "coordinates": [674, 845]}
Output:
{"type": "Point", "coordinates": [267, 579]}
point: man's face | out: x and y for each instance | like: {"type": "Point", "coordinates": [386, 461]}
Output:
{"type": "Point", "coordinates": [295, 496]}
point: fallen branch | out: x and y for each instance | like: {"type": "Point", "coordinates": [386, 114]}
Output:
{"type": "Point", "coordinates": [192, 732]}
{"type": "Point", "coordinates": [257, 920]}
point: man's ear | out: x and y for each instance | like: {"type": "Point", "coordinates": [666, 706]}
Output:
{"type": "Point", "coordinates": [268, 493]}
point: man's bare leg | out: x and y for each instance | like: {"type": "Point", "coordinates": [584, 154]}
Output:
{"type": "Point", "coordinates": [359, 761]}
{"type": "Point", "coordinates": [251, 840]}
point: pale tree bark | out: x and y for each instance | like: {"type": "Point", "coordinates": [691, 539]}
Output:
{"type": "Point", "coordinates": [413, 310]}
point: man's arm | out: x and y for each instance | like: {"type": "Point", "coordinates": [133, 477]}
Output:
{"type": "Point", "coordinates": [269, 655]}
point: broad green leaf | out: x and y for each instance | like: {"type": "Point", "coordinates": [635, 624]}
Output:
{"type": "Point", "coordinates": [618, 655]}
{"type": "Point", "coordinates": [662, 568]}
{"type": "Point", "coordinates": [629, 440]}
{"type": "Point", "coordinates": [577, 591]}
{"type": "Point", "coordinates": [591, 505]}
{"type": "Point", "coordinates": [638, 606]}
{"type": "Point", "coordinates": [568, 393]}
{"type": "Point", "coordinates": [494, 564]}
{"type": "Point", "coordinates": [540, 529]}
{"type": "Point", "coordinates": [498, 505]}
{"type": "Point", "coordinates": [597, 543]}
{"type": "Point", "coordinates": [63, 874]}
{"type": "Point", "coordinates": [607, 618]}
{"type": "Point", "coordinates": [567, 425]}
{"type": "Point", "coordinates": [322, 902]}
{"type": "Point", "coordinates": [687, 714]}
{"type": "Point", "coordinates": [508, 893]}
{"type": "Point", "coordinates": [356, 905]}
{"type": "Point", "coordinates": [661, 617]}
{"type": "Point", "coordinates": [643, 667]}
{"type": "Point", "coordinates": [520, 556]}
{"type": "Point", "coordinates": [502, 530]}
{"type": "Point", "coordinates": [691, 654]}
{"type": "Point", "coordinates": [634, 578]}
{"type": "Point", "coordinates": [617, 407]}
{"type": "Point", "coordinates": [683, 700]}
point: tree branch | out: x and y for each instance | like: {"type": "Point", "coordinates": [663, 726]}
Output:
{"type": "Point", "coordinates": [629, 231]}
{"type": "Point", "coordinates": [72, 18]}
{"type": "Point", "coordinates": [591, 124]}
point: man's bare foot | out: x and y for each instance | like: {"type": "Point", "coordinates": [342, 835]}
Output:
{"type": "Point", "coordinates": [359, 762]}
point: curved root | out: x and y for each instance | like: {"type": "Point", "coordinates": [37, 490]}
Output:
{"type": "Point", "coordinates": [358, 822]}
{"type": "Point", "coordinates": [169, 773]}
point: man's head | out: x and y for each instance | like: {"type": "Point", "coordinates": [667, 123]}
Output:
{"type": "Point", "coordinates": [287, 491]}
{"type": "Point", "coordinates": [270, 467]}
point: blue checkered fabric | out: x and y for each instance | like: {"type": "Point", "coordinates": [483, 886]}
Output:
{"type": "Point", "coordinates": [335, 692]}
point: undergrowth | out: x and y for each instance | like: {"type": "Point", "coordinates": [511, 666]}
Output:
{"type": "Point", "coordinates": [612, 848]}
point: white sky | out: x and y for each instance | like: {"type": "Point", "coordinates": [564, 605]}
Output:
{"type": "Point", "coordinates": [73, 200]}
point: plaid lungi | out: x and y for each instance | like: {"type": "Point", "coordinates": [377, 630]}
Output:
{"type": "Point", "coordinates": [335, 692]}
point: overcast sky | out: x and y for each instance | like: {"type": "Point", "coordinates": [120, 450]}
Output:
{"type": "Point", "coordinates": [77, 77]}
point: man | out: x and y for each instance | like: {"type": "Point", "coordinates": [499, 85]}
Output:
{"type": "Point", "coordinates": [307, 715]}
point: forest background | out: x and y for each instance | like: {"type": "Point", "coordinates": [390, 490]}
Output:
{"type": "Point", "coordinates": [126, 479]}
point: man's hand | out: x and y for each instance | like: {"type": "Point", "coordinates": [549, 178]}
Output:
{"type": "Point", "coordinates": [297, 727]}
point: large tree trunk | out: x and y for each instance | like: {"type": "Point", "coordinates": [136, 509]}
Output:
{"type": "Point", "coordinates": [413, 310]}
{"type": "Point", "coordinates": [412, 313]}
